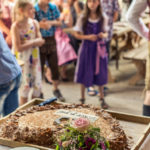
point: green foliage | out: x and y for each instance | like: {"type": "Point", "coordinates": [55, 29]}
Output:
{"type": "Point", "coordinates": [90, 139]}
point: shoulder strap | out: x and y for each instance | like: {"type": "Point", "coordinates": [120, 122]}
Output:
{"type": "Point", "coordinates": [34, 24]}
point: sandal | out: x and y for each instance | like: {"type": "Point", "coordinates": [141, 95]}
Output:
{"type": "Point", "coordinates": [104, 105]}
{"type": "Point", "coordinates": [82, 100]}
{"type": "Point", "coordinates": [91, 91]}
{"type": "Point", "coordinates": [106, 88]}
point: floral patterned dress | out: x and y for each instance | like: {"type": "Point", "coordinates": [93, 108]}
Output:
{"type": "Point", "coordinates": [32, 69]}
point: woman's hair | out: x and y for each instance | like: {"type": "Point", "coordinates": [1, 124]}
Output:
{"type": "Point", "coordinates": [19, 4]}
{"type": "Point", "coordinates": [0, 13]}
{"type": "Point", "coordinates": [86, 14]}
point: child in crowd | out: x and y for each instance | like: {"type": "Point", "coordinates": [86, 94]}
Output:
{"type": "Point", "coordinates": [26, 39]}
{"type": "Point", "coordinates": [92, 63]}
{"type": "Point", "coordinates": [5, 19]}
{"type": "Point", "coordinates": [48, 15]}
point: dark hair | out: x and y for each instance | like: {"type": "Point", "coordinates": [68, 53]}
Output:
{"type": "Point", "coordinates": [87, 13]}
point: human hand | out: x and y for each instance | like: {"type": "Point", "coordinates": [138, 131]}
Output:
{"type": "Point", "coordinates": [48, 24]}
{"type": "Point", "coordinates": [45, 24]}
{"type": "Point", "coordinates": [102, 35]}
{"type": "Point", "coordinates": [38, 42]}
{"type": "Point", "coordinates": [92, 37]}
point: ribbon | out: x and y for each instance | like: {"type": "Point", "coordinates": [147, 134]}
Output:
{"type": "Point", "coordinates": [101, 53]}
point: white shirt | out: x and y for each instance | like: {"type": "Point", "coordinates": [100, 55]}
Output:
{"type": "Point", "coordinates": [79, 24]}
{"type": "Point", "coordinates": [134, 17]}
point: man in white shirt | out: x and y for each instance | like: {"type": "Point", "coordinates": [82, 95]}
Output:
{"type": "Point", "coordinates": [133, 16]}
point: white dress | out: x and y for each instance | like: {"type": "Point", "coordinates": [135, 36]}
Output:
{"type": "Point", "coordinates": [32, 67]}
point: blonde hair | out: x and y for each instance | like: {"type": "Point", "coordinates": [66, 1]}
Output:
{"type": "Point", "coordinates": [19, 4]}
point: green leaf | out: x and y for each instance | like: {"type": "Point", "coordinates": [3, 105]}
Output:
{"type": "Point", "coordinates": [96, 129]}
{"type": "Point", "coordinates": [80, 144]}
{"type": "Point", "coordinates": [57, 147]}
{"type": "Point", "coordinates": [79, 137]}
{"type": "Point", "coordinates": [93, 147]}
{"type": "Point", "coordinates": [98, 148]}
{"type": "Point", "coordinates": [107, 144]}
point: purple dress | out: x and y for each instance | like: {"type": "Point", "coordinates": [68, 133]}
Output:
{"type": "Point", "coordinates": [86, 66]}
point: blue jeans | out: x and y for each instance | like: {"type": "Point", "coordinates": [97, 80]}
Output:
{"type": "Point", "coordinates": [9, 96]}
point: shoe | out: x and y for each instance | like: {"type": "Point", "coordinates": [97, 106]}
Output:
{"type": "Point", "coordinates": [82, 100]}
{"type": "Point", "coordinates": [106, 88]}
{"type": "Point", "coordinates": [46, 80]}
{"type": "Point", "coordinates": [104, 105]}
{"type": "Point", "coordinates": [92, 92]}
{"type": "Point", "coordinates": [59, 95]}
{"type": "Point", "coordinates": [41, 96]}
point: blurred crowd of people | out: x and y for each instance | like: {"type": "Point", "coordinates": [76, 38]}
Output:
{"type": "Point", "coordinates": [34, 33]}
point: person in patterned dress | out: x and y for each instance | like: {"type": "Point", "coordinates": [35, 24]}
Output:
{"type": "Point", "coordinates": [26, 40]}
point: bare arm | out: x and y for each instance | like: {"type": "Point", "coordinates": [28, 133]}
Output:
{"type": "Point", "coordinates": [18, 45]}
{"type": "Point", "coordinates": [103, 35]}
{"type": "Point", "coordinates": [77, 8]}
{"type": "Point", "coordinates": [80, 36]}
{"type": "Point", "coordinates": [56, 22]}
{"type": "Point", "coordinates": [43, 24]}
{"type": "Point", "coordinates": [47, 24]}
{"type": "Point", "coordinates": [134, 17]}
{"type": "Point", "coordinates": [70, 24]}
{"type": "Point", "coordinates": [38, 33]}
{"type": "Point", "coordinates": [4, 28]}
{"type": "Point", "coordinates": [116, 14]}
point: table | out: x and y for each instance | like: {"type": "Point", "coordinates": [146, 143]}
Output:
{"type": "Point", "coordinates": [122, 30]}
{"type": "Point", "coordinates": [138, 57]}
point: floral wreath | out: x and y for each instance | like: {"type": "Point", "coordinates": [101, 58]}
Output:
{"type": "Point", "coordinates": [81, 135]}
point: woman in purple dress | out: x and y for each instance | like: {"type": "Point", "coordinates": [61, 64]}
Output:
{"type": "Point", "coordinates": [92, 63]}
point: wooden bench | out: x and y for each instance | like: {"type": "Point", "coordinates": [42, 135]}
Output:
{"type": "Point", "coordinates": [125, 38]}
{"type": "Point", "coordinates": [138, 57]}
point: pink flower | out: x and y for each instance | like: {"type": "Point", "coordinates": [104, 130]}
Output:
{"type": "Point", "coordinates": [81, 124]}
